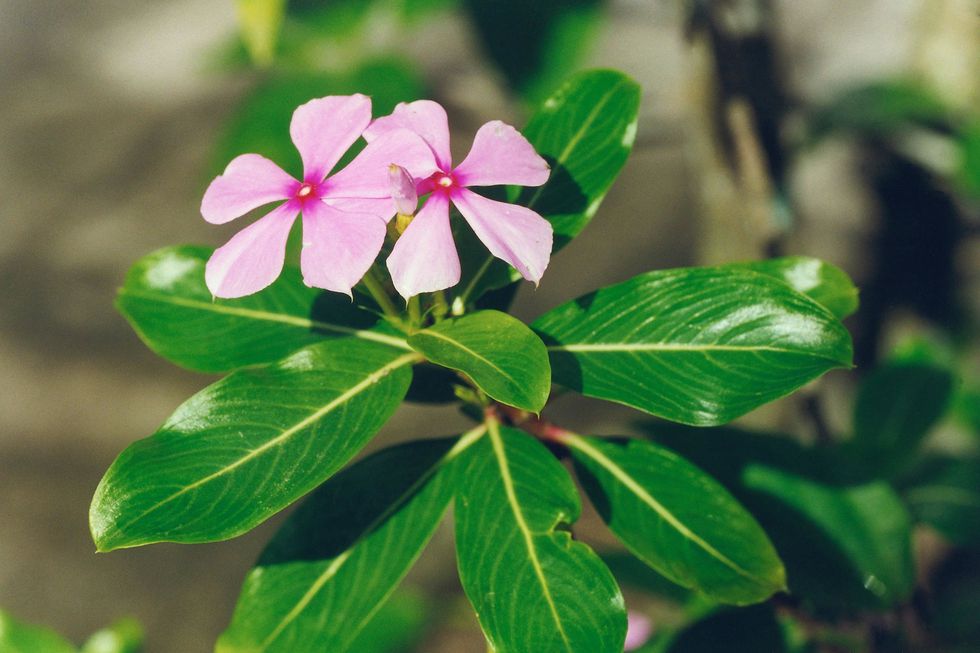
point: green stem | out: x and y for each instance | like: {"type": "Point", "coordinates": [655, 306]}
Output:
{"type": "Point", "coordinates": [414, 312]}
{"type": "Point", "coordinates": [439, 306]}
{"type": "Point", "coordinates": [377, 291]}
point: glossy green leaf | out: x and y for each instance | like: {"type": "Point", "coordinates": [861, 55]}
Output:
{"type": "Point", "coordinates": [632, 573]}
{"type": "Point", "coordinates": [249, 445]}
{"type": "Point", "coordinates": [822, 282]}
{"type": "Point", "coordinates": [585, 130]}
{"type": "Point", "coordinates": [896, 407]}
{"type": "Point", "coordinates": [844, 547]}
{"type": "Point", "coordinates": [498, 352]}
{"type": "Point", "coordinates": [18, 637]}
{"type": "Point", "coordinates": [260, 22]}
{"type": "Point", "coordinates": [169, 306]}
{"type": "Point", "coordinates": [124, 636]}
{"type": "Point", "coordinates": [533, 587]}
{"type": "Point", "coordinates": [678, 519]}
{"type": "Point", "coordinates": [945, 493]}
{"type": "Point", "coordinates": [699, 346]}
{"type": "Point", "coordinates": [339, 557]}
{"type": "Point", "coordinates": [399, 624]}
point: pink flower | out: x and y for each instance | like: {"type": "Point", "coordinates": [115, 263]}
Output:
{"type": "Point", "coordinates": [344, 215]}
{"type": "Point", "coordinates": [424, 259]}
{"type": "Point", "coordinates": [638, 630]}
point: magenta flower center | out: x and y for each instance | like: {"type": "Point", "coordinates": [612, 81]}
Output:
{"type": "Point", "coordinates": [305, 190]}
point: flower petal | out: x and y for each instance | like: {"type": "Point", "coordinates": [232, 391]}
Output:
{"type": "Point", "coordinates": [323, 129]}
{"type": "Point", "coordinates": [253, 258]}
{"type": "Point", "coordinates": [249, 181]}
{"type": "Point", "coordinates": [424, 117]}
{"type": "Point", "coordinates": [338, 247]}
{"type": "Point", "coordinates": [513, 233]}
{"type": "Point", "coordinates": [501, 155]}
{"type": "Point", "coordinates": [367, 174]}
{"type": "Point", "coordinates": [403, 192]}
{"type": "Point", "coordinates": [424, 259]}
{"type": "Point", "coordinates": [381, 207]}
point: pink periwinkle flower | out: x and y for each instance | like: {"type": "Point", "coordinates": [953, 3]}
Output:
{"type": "Point", "coordinates": [639, 628]}
{"type": "Point", "coordinates": [424, 258]}
{"type": "Point", "coordinates": [344, 215]}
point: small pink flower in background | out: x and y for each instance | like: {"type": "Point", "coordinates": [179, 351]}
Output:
{"type": "Point", "coordinates": [344, 215]}
{"type": "Point", "coordinates": [424, 258]}
{"type": "Point", "coordinates": [638, 630]}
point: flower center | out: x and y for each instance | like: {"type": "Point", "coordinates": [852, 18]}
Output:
{"type": "Point", "coordinates": [444, 181]}
{"type": "Point", "coordinates": [305, 190]}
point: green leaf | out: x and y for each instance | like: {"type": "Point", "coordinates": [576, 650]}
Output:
{"type": "Point", "coordinates": [342, 554]}
{"type": "Point", "coordinates": [249, 445]}
{"type": "Point", "coordinates": [17, 637]}
{"type": "Point", "coordinates": [632, 573]}
{"type": "Point", "coordinates": [260, 22]}
{"type": "Point", "coordinates": [533, 587]}
{"type": "Point", "coordinates": [678, 519]}
{"type": "Point", "coordinates": [700, 346]}
{"type": "Point", "coordinates": [398, 625]}
{"type": "Point", "coordinates": [169, 306]}
{"type": "Point", "coordinates": [261, 123]}
{"type": "Point", "coordinates": [822, 282]}
{"type": "Point", "coordinates": [124, 636]}
{"type": "Point", "coordinates": [896, 407]}
{"type": "Point", "coordinates": [499, 352]}
{"type": "Point", "coordinates": [879, 110]}
{"type": "Point", "coordinates": [585, 130]}
{"type": "Point", "coordinates": [844, 547]}
{"type": "Point", "coordinates": [535, 44]}
{"type": "Point", "coordinates": [945, 493]}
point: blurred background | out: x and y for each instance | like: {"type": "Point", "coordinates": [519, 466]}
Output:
{"type": "Point", "coordinates": [846, 130]}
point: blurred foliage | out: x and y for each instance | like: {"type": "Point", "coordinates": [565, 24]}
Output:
{"type": "Point", "coordinates": [261, 122]}
{"type": "Point", "coordinates": [124, 636]}
{"type": "Point", "coordinates": [536, 43]}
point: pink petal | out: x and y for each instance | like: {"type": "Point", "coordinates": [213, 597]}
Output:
{"type": "Point", "coordinates": [501, 155]}
{"type": "Point", "coordinates": [249, 181]}
{"type": "Point", "coordinates": [367, 174]}
{"type": "Point", "coordinates": [638, 630]}
{"type": "Point", "coordinates": [323, 129]}
{"type": "Point", "coordinates": [424, 259]}
{"type": "Point", "coordinates": [381, 207]}
{"type": "Point", "coordinates": [424, 117]}
{"type": "Point", "coordinates": [513, 233]}
{"type": "Point", "coordinates": [338, 247]}
{"type": "Point", "coordinates": [403, 192]}
{"type": "Point", "coordinates": [253, 258]}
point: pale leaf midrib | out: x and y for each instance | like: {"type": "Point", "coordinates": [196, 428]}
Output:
{"type": "Point", "coordinates": [630, 483]}
{"type": "Point", "coordinates": [501, 455]}
{"type": "Point", "coordinates": [320, 413]}
{"type": "Point", "coordinates": [465, 441]}
{"type": "Point", "coordinates": [616, 347]}
{"type": "Point", "coordinates": [266, 316]}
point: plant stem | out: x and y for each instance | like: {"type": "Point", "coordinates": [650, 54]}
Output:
{"type": "Point", "coordinates": [439, 306]}
{"type": "Point", "coordinates": [414, 312]}
{"type": "Point", "coordinates": [377, 291]}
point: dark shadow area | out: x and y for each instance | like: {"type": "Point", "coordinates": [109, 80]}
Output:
{"type": "Point", "coordinates": [329, 521]}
